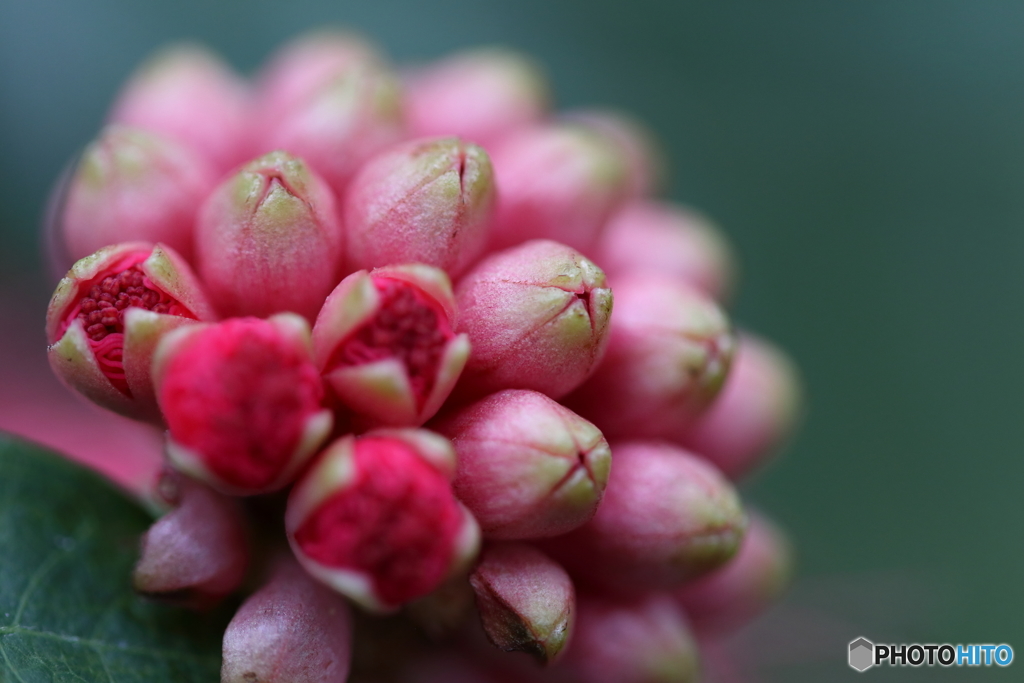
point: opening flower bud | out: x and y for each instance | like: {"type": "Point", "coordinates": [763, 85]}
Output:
{"type": "Point", "coordinates": [731, 596]}
{"type": "Point", "coordinates": [647, 237]}
{"type": "Point", "coordinates": [668, 355]}
{"type": "Point", "coordinates": [757, 409]}
{"type": "Point", "coordinates": [479, 95]}
{"type": "Point", "coordinates": [107, 315]}
{"type": "Point", "coordinates": [425, 201]}
{"type": "Point", "coordinates": [527, 467]}
{"type": "Point", "coordinates": [242, 402]}
{"type": "Point", "coordinates": [558, 182]}
{"type": "Point", "coordinates": [644, 640]}
{"type": "Point", "coordinates": [269, 240]}
{"type": "Point", "coordinates": [666, 517]}
{"type": "Point", "coordinates": [386, 344]}
{"type": "Point", "coordinates": [375, 518]}
{"type": "Point", "coordinates": [526, 600]}
{"type": "Point", "coordinates": [291, 630]}
{"type": "Point", "coordinates": [537, 317]}
{"type": "Point", "coordinates": [133, 185]}
{"type": "Point", "coordinates": [197, 553]}
{"type": "Point", "coordinates": [187, 93]}
{"type": "Point", "coordinates": [344, 121]}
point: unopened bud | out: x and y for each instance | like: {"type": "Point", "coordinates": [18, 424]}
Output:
{"type": "Point", "coordinates": [269, 240]}
{"type": "Point", "coordinates": [734, 594]}
{"type": "Point", "coordinates": [480, 95]}
{"type": "Point", "coordinates": [300, 67]}
{"type": "Point", "coordinates": [537, 317]}
{"type": "Point", "coordinates": [647, 237]}
{"type": "Point", "coordinates": [131, 185]}
{"type": "Point", "coordinates": [558, 182]}
{"type": "Point", "coordinates": [187, 93]}
{"type": "Point", "coordinates": [375, 518]}
{"type": "Point", "coordinates": [756, 410]}
{"type": "Point", "coordinates": [645, 166]}
{"type": "Point", "coordinates": [107, 315]}
{"type": "Point", "coordinates": [386, 344]}
{"type": "Point", "coordinates": [526, 600]}
{"type": "Point", "coordinates": [292, 630]}
{"type": "Point", "coordinates": [197, 553]}
{"type": "Point", "coordinates": [666, 517]}
{"type": "Point", "coordinates": [645, 640]}
{"type": "Point", "coordinates": [668, 354]}
{"type": "Point", "coordinates": [242, 402]}
{"type": "Point", "coordinates": [425, 201]}
{"type": "Point", "coordinates": [527, 467]}
{"type": "Point", "coordinates": [344, 121]}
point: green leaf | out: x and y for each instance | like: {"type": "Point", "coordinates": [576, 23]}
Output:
{"type": "Point", "coordinates": [68, 540]}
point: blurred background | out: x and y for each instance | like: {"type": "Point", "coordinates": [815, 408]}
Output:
{"type": "Point", "coordinates": [866, 159]}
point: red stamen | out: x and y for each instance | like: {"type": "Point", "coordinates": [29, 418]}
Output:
{"type": "Point", "coordinates": [397, 522]}
{"type": "Point", "coordinates": [409, 326]}
{"type": "Point", "coordinates": [101, 310]}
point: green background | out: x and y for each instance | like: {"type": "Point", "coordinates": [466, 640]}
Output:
{"type": "Point", "coordinates": [867, 159]}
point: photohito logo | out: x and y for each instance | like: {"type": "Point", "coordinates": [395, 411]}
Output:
{"type": "Point", "coordinates": [863, 654]}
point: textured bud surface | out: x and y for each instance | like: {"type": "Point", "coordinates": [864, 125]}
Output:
{"type": "Point", "coordinates": [666, 517]}
{"type": "Point", "coordinates": [133, 185]}
{"type": "Point", "coordinates": [291, 630]}
{"type": "Point", "coordinates": [668, 354]}
{"type": "Point", "coordinates": [268, 239]}
{"type": "Point", "coordinates": [537, 316]}
{"type": "Point", "coordinates": [527, 466]}
{"type": "Point", "coordinates": [425, 201]}
{"type": "Point", "coordinates": [526, 600]}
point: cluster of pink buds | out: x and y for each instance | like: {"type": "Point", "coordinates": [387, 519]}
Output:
{"type": "Point", "coordinates": [376, 309]}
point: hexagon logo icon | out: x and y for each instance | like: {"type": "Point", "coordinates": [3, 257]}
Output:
{"type": "Point", "coordinates": [862, 654]}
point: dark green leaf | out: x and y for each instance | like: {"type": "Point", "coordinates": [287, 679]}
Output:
{"type": "Point", "coordinates": [68, 540]}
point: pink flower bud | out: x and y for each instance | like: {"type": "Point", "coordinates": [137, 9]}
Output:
{"type": "Point", "coordinates": [537, 317]}
{"type": "Point", "coordinates": [668, 354]}
{"type": "Point", "coordinates": [755, 412]}
{"type": "Point", "coordinates": [242, 402]}
{"type": "Point", "coordinates": [479, 95]}
{"type": "Point", "coordinates": [291, 630]}
{"type": "Point", "coordinates": [644, 163]}
{"type": "Point", "coordinates": [386, 344]}
{"type": "Point", "coordinates": [300, 67]}
{"type": "Point", "coordinates": [731, 596]}
{"type": "Point", "coordinates": [133, 185]}
{"type": "Point", "coordinates": [558, 182]}
{"type": "Point", "coordinates": [667, 517]}
{"type": "Point", "coordinates": [375, 518]}
{"type": "Point", "coordinates": [268, 240]}
{"type": "Point", "coordinates": [424, 201]}
{"type": "Point", "coordinates": [344, 121]}
{"type": "Point", "coordinates": [107, 315]}
{"type": "Point", "coordinates": [648, 237]}
{"type": "Point", "coordinates": [187, 93]}
{"type": "Point", "coordinates": [527, 467]}
{"type": "Point", "coordinates": [645, 640]}
{"type": "Point", "coordinates": [197, 553]}
{"type": "Point", "coordinates": [526, 600]}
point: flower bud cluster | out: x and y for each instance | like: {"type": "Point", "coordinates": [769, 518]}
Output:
{"type": "Point", "coordinates": [484, 368]}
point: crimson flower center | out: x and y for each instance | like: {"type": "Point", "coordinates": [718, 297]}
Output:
{"type": "Point", "coordinates": [408, 326]}
{"type": "Point", "coordinates": [101, 310]}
